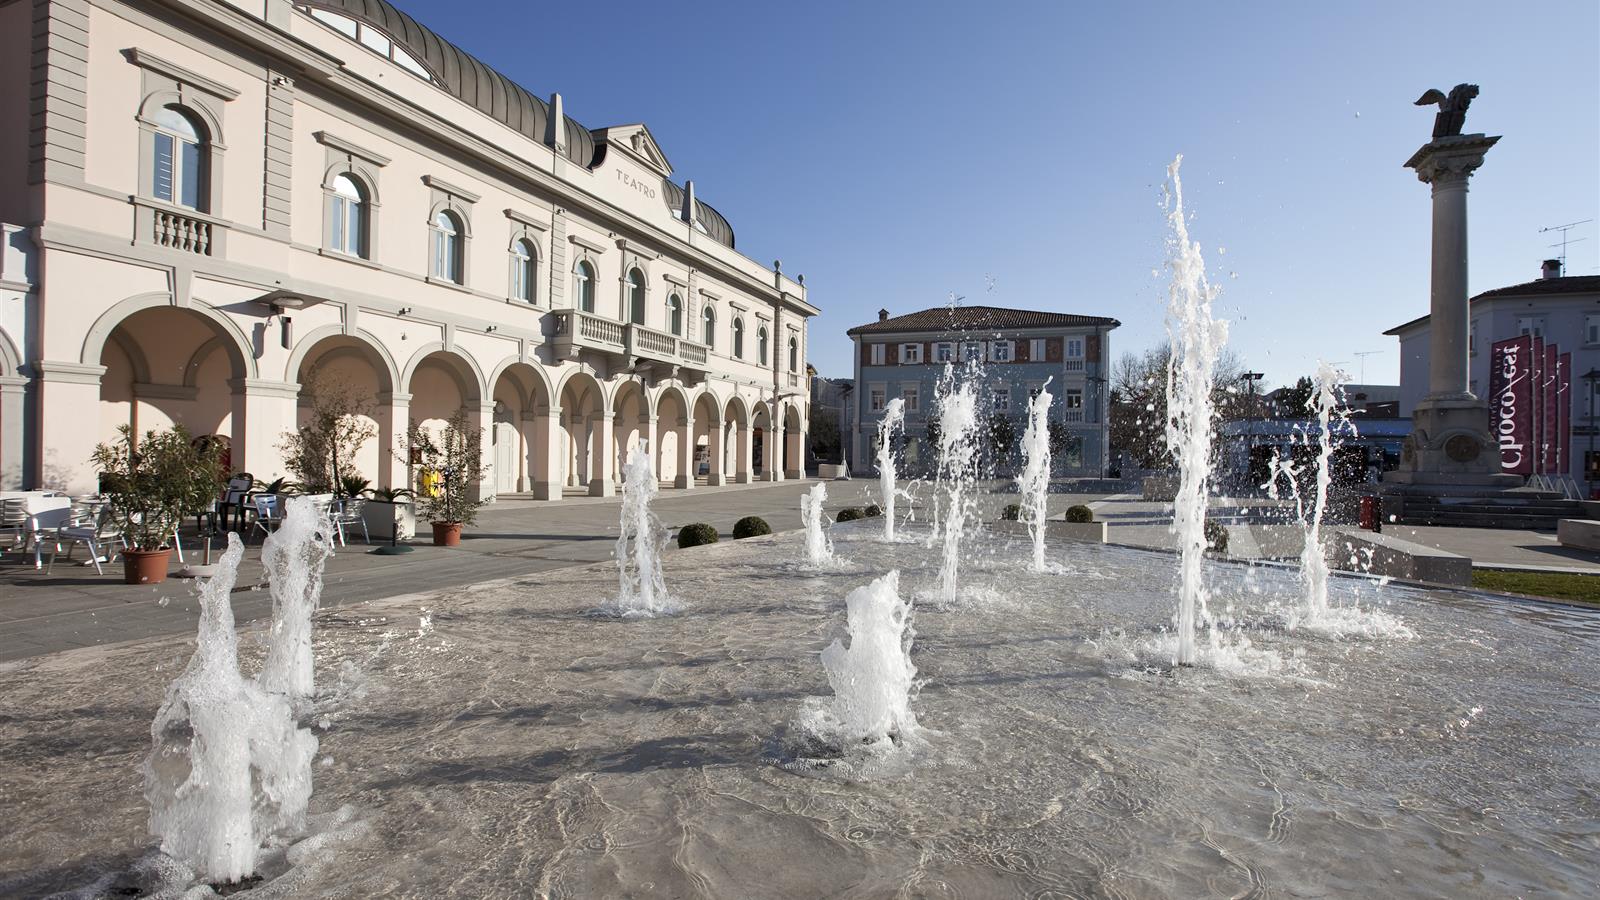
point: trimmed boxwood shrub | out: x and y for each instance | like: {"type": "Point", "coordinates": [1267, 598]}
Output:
{"type": "Point", "coordinates": [697, 534]}
{"type": "Point", "coordinates": [873, 511]}
{"type": "Point", "coordinates": [851, 514]}
{"type": "Point", "coordinates": [750, 526]}
{"type": "Point", "coordinates": [1216, 536]}
{"type": "Point", "coordinates": [1012, 512]}
{"type": "Point", "coordinates": [1080, 513]}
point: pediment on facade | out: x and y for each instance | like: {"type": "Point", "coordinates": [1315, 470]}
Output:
{"type": "Point", "coordinates": [637, 142]}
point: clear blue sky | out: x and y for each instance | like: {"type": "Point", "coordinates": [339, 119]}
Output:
{"type": "Point", "coordinates": [896, 153]}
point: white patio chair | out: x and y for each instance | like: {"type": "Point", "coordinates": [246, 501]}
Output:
{"type": "Point", "coordinates": [14, 522]}
{"type": "Point", "coordinates": [98, 532]}
{"type": "Point", "coordinates": [269, 513]}
{"type": "Point", "coordinates": [349, 512]}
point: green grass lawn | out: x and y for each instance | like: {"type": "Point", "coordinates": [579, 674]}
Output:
{"type": "Point", "coordinates": [1557, 586]}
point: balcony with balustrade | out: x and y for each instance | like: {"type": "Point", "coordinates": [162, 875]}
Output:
{"type": "Point", "coordinates": [577, 331]}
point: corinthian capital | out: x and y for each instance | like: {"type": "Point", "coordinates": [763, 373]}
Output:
{"type": "Point", "coordinates": [1450, 160]}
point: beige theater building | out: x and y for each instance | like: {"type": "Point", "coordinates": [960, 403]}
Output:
{"type": "Point", "coordinates": [203, 201]}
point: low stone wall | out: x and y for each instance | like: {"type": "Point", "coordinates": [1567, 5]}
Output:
{"type": "Point", "coordinates": [1583, 534]}
{"type": "Point", "coordinates": [1159, 488]}
{"type": "Point", "coordinates": [1055, 529]}
{"type": "Point", "coordinates": [1352, 549]}
{"type": "Point", "coordinates": [830, 471]}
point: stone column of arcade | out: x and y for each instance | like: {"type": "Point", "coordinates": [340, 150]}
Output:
{"type": "Point", "coordinates": [394, 418]}
{"type": "Point", "coordinates": [772, 451]}
{"type": "Point", "coordinates": [714, 454]}
{"type": "Point", "coordinates": [602, 449]}
{"type": "Point", "coordinates": [262, 411]}
{"type": "Point", "coordinates": [550, 448]}
{"type": "Point", "coordinates": [683, 479]}
{"type": "Point", "coordinates": [743, 462]}
{"type": "Point", "coordinates": [67, 440]}
{"type": "Point", "coordinates": [480, 415]}
{"type": "Point", "coordinates": [650, 435]}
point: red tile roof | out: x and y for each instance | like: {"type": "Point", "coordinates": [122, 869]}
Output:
{"type": "Point", "coordinates": [980, 318]}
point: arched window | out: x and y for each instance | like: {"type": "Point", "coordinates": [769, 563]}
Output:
{"type": "Point", "coordinates": [675, 314]}
{"type": "Point", "coordinates": [738, 338]}
{"type": "Point", "coordinates": [447, 247]}
{"type": "Point", "coordinates": [708, 320]}
{"type": "Point", "coordinates": [179, 162]}
{"type": "Point", "coordinates": [347, 217]}
{"type": "Point", "coordinates": [523, 257]}
{"type": "Point", "coordinates": [636, 296]}
{"type": "Point", "coordinates": [583, 277]}
{"type": "Point", "coordinates": [761, 344]}
{"type": "Point", "coordinates": [794, 355]}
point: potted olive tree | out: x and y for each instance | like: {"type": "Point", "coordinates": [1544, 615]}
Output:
{"type": "Point", "coordinates": [153, 484]}
{"type": "Point", "coordinates": [449, 465]}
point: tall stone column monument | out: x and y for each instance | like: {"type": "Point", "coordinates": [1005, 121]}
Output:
{"type": "Point", "coordinates": [1449, 449]}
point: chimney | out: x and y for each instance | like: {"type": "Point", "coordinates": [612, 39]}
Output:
{"type": "Point", "coordinates": [1550, 269]}
{"type": "Point", "coordinates": [555, 133]}
{"type": "Point", "coordinates": [688, 214]}
{"type": "Point", "coordinates": [883, 315]}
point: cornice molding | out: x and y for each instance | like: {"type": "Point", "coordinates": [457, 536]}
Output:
{"type": "Point", "coordinates": [446, 187]}
{"type": "Point", "coordinates": [344, 146]}
{"type": "Point", "coordinates": [147, 60]}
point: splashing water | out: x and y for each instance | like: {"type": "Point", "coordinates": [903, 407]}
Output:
{"type": "Point", "coordinates": [819, 548]}
{"type": "Point", "coordinates": [642, 591]}
{"type": "Point", "coordinates": [1316, 613]}
{"type": "Point", "coordinates": [1035, 480]}
{"type": "Point", "coordinates": [873, 678]}
{"type": "Point", "coordinates": [1327, 398]}
{"type": "Point", "coordinates": [958, 427]}
{"type": "Point", "coordinates": [893, 424]}
{"type": "Point", "coordinates": [229, 769]}
{"type": "Point", "coordinates": [1197, 338]}
{"type": "Point", "coordinates": [294, 556]}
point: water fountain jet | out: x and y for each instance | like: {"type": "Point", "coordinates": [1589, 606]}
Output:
{"type": "Point", "coordinates": [229, 768]}
{"type": "Point", "coordinates": [893, 424]}
{"type": "Point", "coordinates": [819, 548]}
{"type": "Point", "coordinates": [958, 426]}
{"type": "Point", "coordinates": [873, 679]}
{"type": "Point", "coordinates": [642, 590]}
{"type": "Point", "coordinates": [1034, 482]}
{"type": "Point", "coordinates": [294, 556]}
{"type": "Point", "coordinates": [1197, 339]}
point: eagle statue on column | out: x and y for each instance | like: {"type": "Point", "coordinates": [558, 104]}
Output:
{"type": "Point", "coordinates": [1452, 108]}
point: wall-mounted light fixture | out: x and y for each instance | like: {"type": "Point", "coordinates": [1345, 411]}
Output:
{"type": "Point", "coordinates": [405, 310]}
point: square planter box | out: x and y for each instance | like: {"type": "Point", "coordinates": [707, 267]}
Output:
{"type": "Point", "coordinates": [383, 518]}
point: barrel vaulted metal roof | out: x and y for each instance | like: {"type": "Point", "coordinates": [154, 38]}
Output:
{"type": "Point", "coordinates": [715, 224]}
{"type": "Point", "coordinates": [465, 77]}
{"type": "Point", "coordinates": [980, 318]}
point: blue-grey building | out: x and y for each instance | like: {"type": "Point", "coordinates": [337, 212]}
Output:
{"type": "Point", "coordinates": [904, 357]}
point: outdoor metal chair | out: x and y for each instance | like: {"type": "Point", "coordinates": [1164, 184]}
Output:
{"type": "Point", "coordinates": [235, 499]}
{"type": "Point", "coordinates": [98, 531]}
{"type": "Point", "coordinates": [14, 522]}
{"type": "Point", "coordinates": [349, 512]}
{"type": "Point", "coordinates": [269, 513]}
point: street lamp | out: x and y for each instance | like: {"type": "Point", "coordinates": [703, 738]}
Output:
{"type": "Point", "coordinates": [1591, 376]}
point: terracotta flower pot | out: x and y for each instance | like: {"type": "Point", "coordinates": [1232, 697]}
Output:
{"type": "Point", "coordinates": [145, 566]}
{"type": "Point", "coordinates": [446, 534]}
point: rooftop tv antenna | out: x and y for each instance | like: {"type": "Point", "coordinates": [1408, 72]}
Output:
{"type": "Point", "coordinates": [1564, 239]}
{"type": "Point", "coordinates": [1364, 354]}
